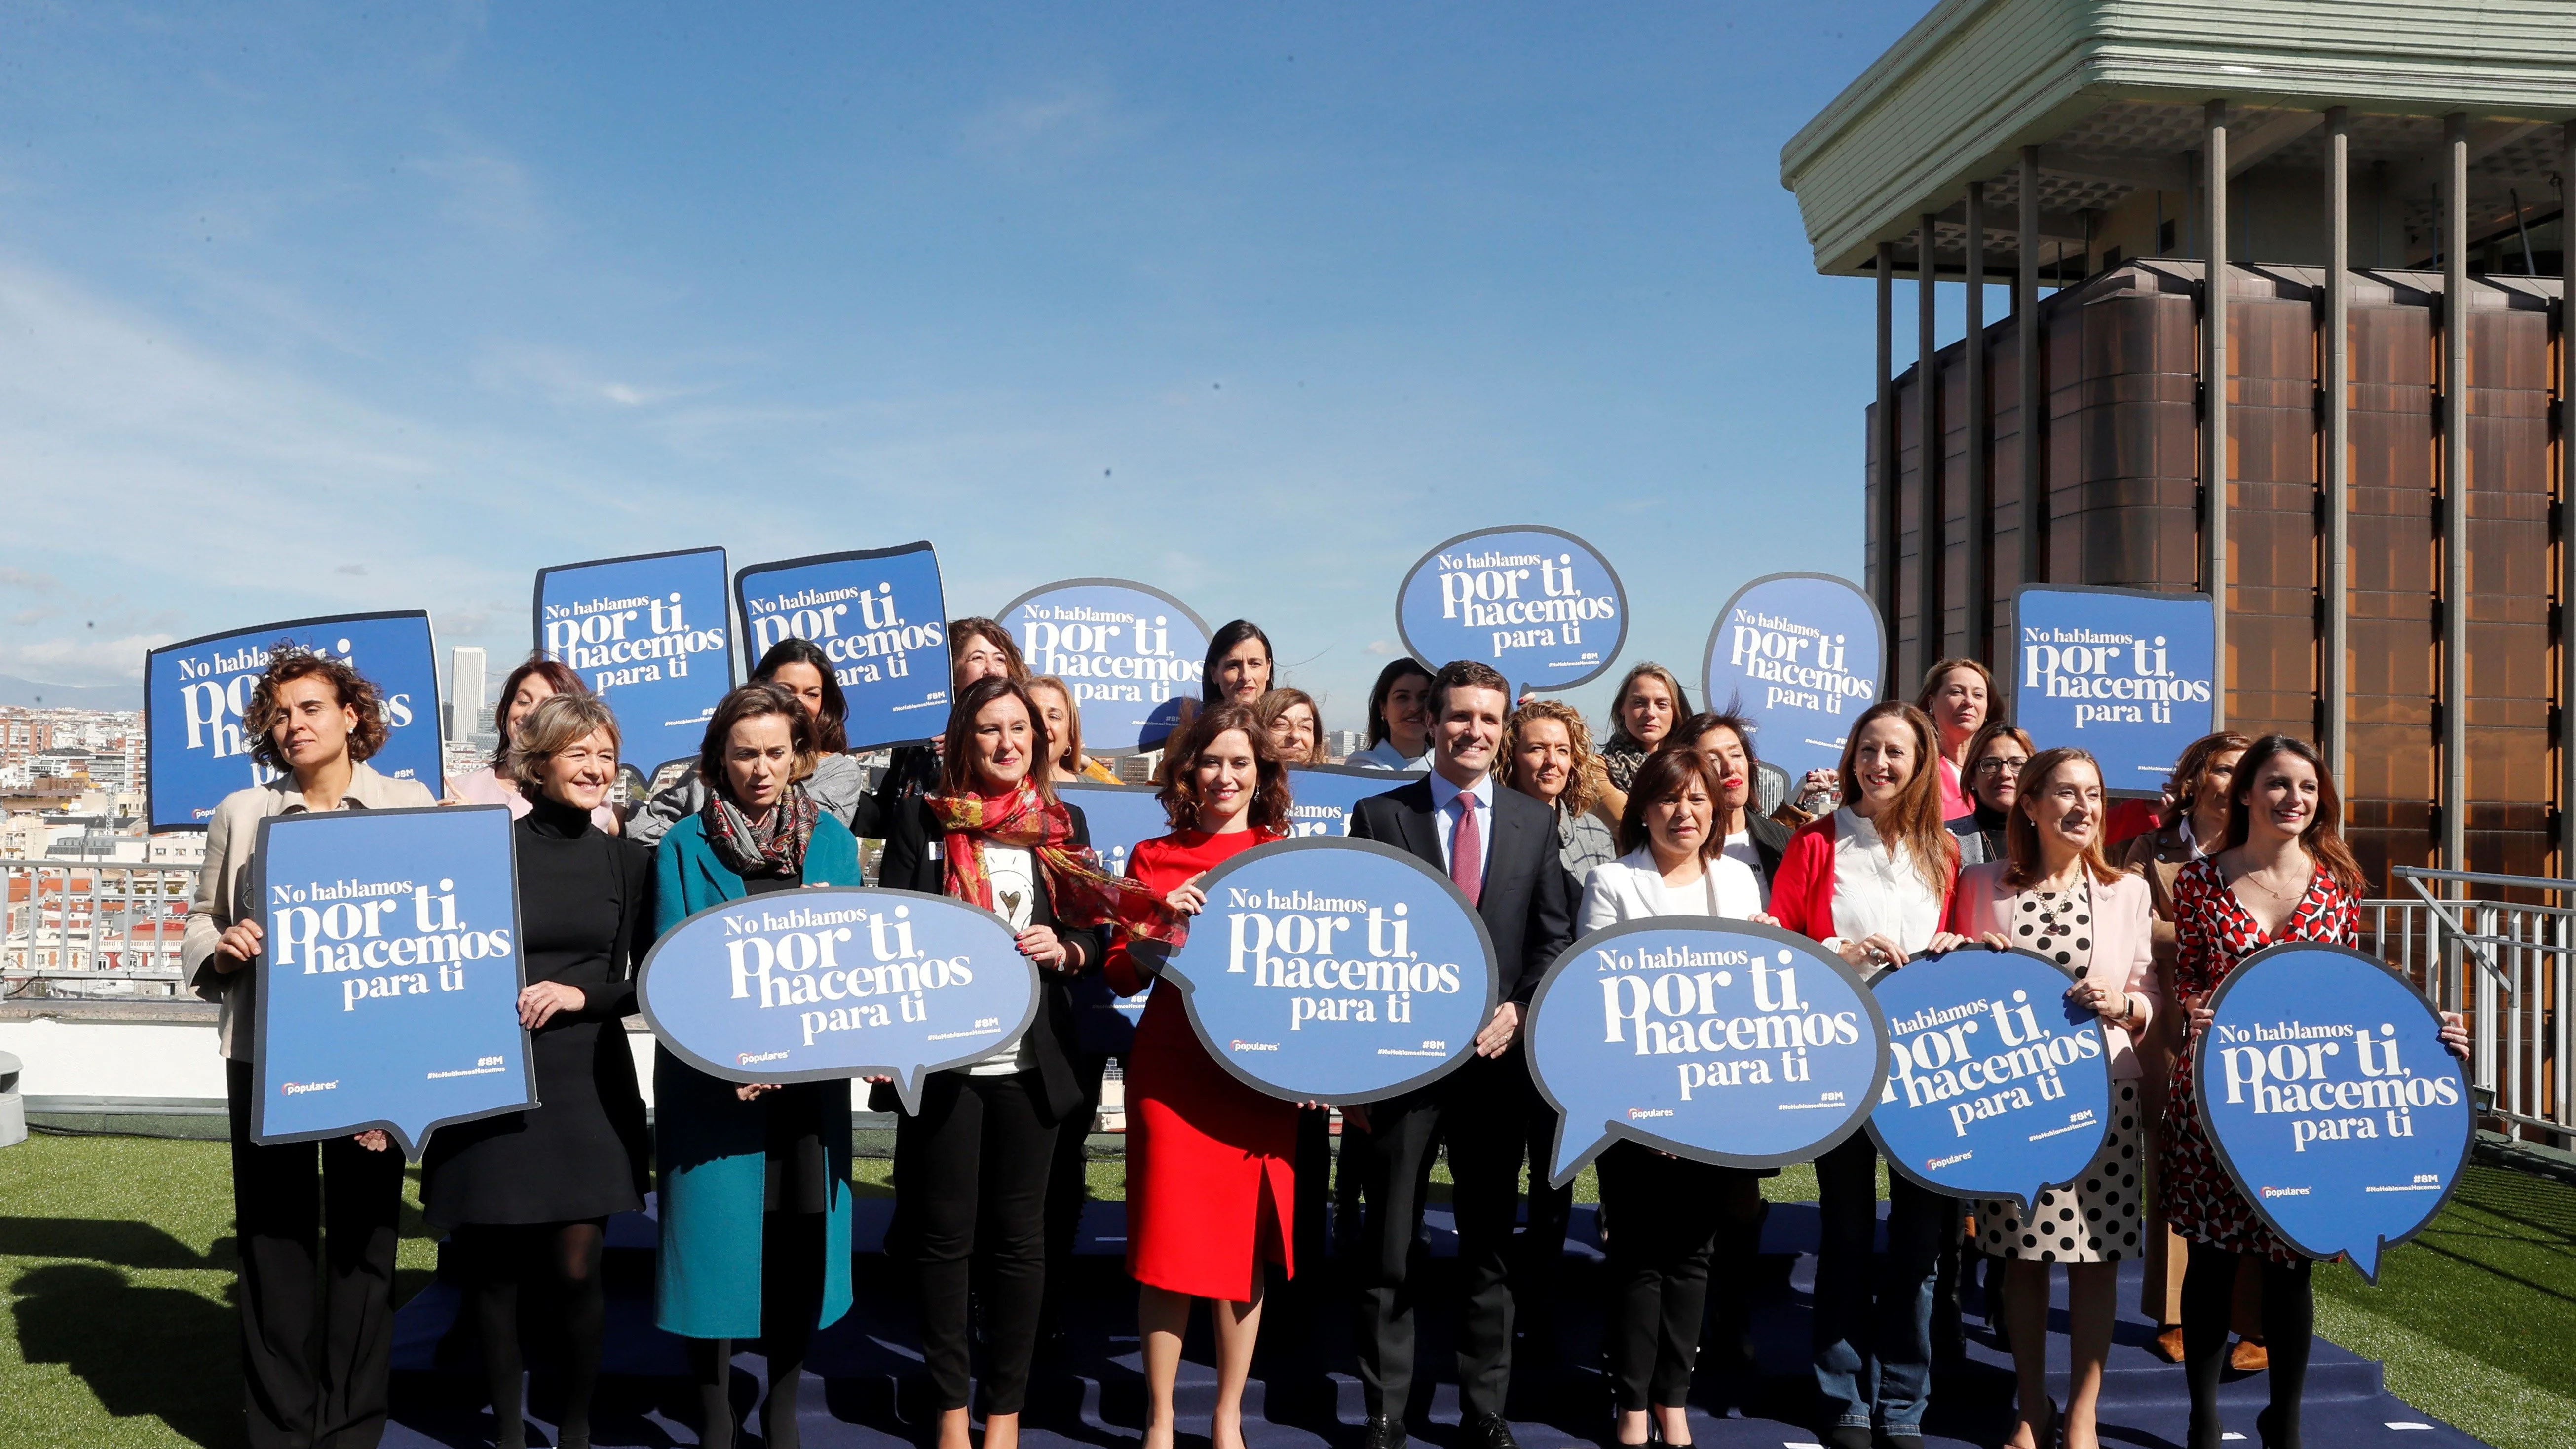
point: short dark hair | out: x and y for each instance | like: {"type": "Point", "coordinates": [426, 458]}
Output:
{"type": "Point", "coordinates": [830, 735]}
{"type": "Point", "coordinates": [1222, 643]}
{"type": "Point", "coordinates": [1467, 674]}
{"type": "Point", "coordinates": [289, 661]}
{"type": "Point", "coordinates": [1395, 670]}
{"type": "Point", "coordinates": [752, 701]}
{"type": "Point", "coordinates": [1664, 775]}
{"type": "Point", "coordinates": [1180, 792]}
{"type": "Point", "coordinates": [957, 749]}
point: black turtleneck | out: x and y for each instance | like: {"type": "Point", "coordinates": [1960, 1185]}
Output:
{"type": "Point", "coordinates": [581, 907]}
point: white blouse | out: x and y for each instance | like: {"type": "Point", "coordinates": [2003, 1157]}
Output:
{"type": "Point", "coordinates": [1013, 871]}
{"type": "Point", "coordinates": [1631, 888]}
{"type": "Point", "coordinates": [1877, 891]}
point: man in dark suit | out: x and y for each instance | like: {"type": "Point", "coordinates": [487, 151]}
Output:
{"type": "Point", "coordinates": [1499, 846]}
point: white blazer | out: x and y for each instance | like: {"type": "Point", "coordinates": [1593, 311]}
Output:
{"type": "Point", "coordinates": [1632, 889]}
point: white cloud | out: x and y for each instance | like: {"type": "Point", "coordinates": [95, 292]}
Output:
{"type": "Point", "coordinates": [1061, 123]}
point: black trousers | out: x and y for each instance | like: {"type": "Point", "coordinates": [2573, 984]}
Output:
{"type": "Point", "coordinates": [1482, 1112]}
{"type": "Point", "coordinates": [1660, 1219]}
{"type": "Point", "coordinates": [1068, 1188]}
{"type": "Point", "coordinates": [316, 1225]}
{"type": "Point", "coordinates": [975, 1163]}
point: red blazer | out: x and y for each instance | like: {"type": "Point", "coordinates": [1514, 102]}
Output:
{"type": "Point", "coordinates": [1802, 890]}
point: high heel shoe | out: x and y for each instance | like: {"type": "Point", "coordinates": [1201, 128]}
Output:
{"type": "Point", "coordinates": [2045, 1434]}
{"type": "Point", "coordinates": [2266, 1430]}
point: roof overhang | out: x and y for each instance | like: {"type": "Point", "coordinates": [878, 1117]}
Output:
{"type": "Point", "coordinates": [2114, 92]}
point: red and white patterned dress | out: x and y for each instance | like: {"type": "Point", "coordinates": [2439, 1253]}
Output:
{"type": "Point", "coordinates": [2212, 932]}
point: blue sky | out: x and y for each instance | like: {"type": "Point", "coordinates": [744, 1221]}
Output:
{"type": "Point", "coordinates": [306, 309]}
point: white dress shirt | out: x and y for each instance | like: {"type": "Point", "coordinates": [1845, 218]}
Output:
{"type": "Point", "coordinates": [1632, 888]}
{"type": "Point", "coordinates": [1385, 756]}
{"type": "Point", "coordinates": [1444, 819]}
{"type": "Point", "coordinates": [1877, 891]}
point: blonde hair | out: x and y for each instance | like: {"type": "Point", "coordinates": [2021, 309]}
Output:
{"type": "Point", "coordinates": [1068, 751]}
{"type": "Point", "coordinates": [1589, 778]}
{"type": "Point", "coordinates": [559, 722]}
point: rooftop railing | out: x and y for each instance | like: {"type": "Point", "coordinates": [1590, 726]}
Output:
{"type": "Point", "coordinates": [2507, 964]}
{"type": "Point", "coordinates": [92, 928]}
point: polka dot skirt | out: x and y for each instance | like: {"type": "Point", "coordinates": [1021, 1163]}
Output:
{"type": "Point", "coordinates": [2094, 1219]}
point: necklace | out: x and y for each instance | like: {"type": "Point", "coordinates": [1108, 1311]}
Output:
{"type": "Point", "coordinates": [2057, 924]}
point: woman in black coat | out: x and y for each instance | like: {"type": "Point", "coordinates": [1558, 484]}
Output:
{"type": "Point", "coordinates": [971, 1167]}
{"type": "Point", "coordinates": [528, 1194]}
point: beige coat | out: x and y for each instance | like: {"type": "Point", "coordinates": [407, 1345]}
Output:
{"type": "Point", "coordinates": [223, 886]}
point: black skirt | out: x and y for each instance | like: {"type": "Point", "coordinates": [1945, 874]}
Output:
{"type": "Point", "coordinates": [580, 1155]}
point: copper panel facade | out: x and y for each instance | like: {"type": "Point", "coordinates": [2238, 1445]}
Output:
{"type": "Point", "coordinates": [2509, 657]}
{"type": "Point", "coordinates": [2120, 449]}
{"type": "Point", "coordinates": [2390, 782]}
{"type": "Point", "coordinates": [2003, 466]}
{"type": "Point", "coordinates": [2272, 517]}
{"type": "Point", "coordinates": [1955, 495]}
{"type": "Point", "coordinates": [1903, 625]}
{"type": "Point", "coordinates": [2123, 475]}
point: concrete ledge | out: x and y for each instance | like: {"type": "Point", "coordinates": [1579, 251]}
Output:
{"type": "Point", "coordinates": [168, 1010]}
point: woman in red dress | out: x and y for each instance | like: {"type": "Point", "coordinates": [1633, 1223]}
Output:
{"type": "Point", "coordinates": [1211, 1163]}
{"type": "Point", "coordinates": [2283, 874]}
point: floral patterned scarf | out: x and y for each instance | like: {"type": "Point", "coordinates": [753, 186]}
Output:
{"type": "Point", "coordinates": [773, 847]}
{"type": "Point", "coordinates": [1082, 893]}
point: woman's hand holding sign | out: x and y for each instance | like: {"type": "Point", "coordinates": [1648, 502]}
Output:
{"type": "Point", "coordinates": [540, 1001]}
{"type": "Point", "coordinates": [238, 947]}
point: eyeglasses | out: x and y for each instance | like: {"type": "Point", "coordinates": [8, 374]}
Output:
{"type": "Point", "coordinates": [1992, 763]}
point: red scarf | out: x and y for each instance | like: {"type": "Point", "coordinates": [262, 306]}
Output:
{"type": "Point", "coordinates": [1082, 893]}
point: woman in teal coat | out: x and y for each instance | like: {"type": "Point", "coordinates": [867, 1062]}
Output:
{"type": "Point", "coordinates": [755, 1180]}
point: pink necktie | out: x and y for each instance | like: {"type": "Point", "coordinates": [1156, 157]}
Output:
{"type": "Point", "coordinates": [1467, 853]}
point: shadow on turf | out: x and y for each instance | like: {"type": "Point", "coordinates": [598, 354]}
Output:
{"type": "Point", "coordinates": [126, 1244]}
{"type": "Point", "coordinates": [90, 1320]}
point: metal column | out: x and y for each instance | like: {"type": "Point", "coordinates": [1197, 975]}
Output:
{"type": "Point", "coordinates": [2213, 392]}
{"type": "Point", "coordinates": [2567, 531]}
{"type": "Point", "coordinates": [1929, 640]}
{"type": "Point", "coordinates": [1980, 585]}
{"type": "Point", "coordinates": [2034, 476]}
{"type": "Point", "coordinates": [2455, 491]}
{"type": "Point", "coordinates": [2334, 683]}
{"type": "Point", "coordinates": [1891, 511]}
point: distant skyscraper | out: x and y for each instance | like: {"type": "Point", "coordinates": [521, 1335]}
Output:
{"type": "Point", "coordinates": [464, 692]}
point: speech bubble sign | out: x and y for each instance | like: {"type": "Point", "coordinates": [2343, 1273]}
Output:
{"type": "Point", "coordinates": [879, 615]}
{"type": "Point", "coordinates": [1322, 797]}
{"type": "Point", "coordinates": [2128, 674]}
{"type": "Point", "coordinates": [1539, 604]}
{"type": "Point", "coordinates": [389, 986]}
{"type": "Point", "coordinates": [812, 985]}
{"type": "Point", "coordinates": [1130, 653]}
{"type": "Point", "coordinates": [2327, 1092]}
{"type": "Point", "coordinates": [1996, 1086]}
{"type": "Point", "coordinates": [1722, 1041]}
{"type": "Point", "coordinates": [1801, 655]}
{"type": "Point", "coordinates": [1335, 970]}
{"type": "Point", "coordinates": [195, 694]}
{"type": "Point", "coordinates": [649, 633]}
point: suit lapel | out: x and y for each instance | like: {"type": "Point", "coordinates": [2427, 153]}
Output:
{"type": "Point", "coordinates": [1421, 836]}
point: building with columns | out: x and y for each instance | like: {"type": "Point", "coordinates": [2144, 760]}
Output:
{"type": "Point", "coordinates": [2377, 489]}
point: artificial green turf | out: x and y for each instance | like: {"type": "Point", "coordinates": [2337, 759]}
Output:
{"type": "Point", "coordinates": [2474, 1316]}
{"type": "Point", "coordinates": [116, 1274]}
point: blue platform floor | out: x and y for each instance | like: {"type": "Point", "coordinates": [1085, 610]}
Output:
{"type": "Point", "coordinates": [864, 1388]}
